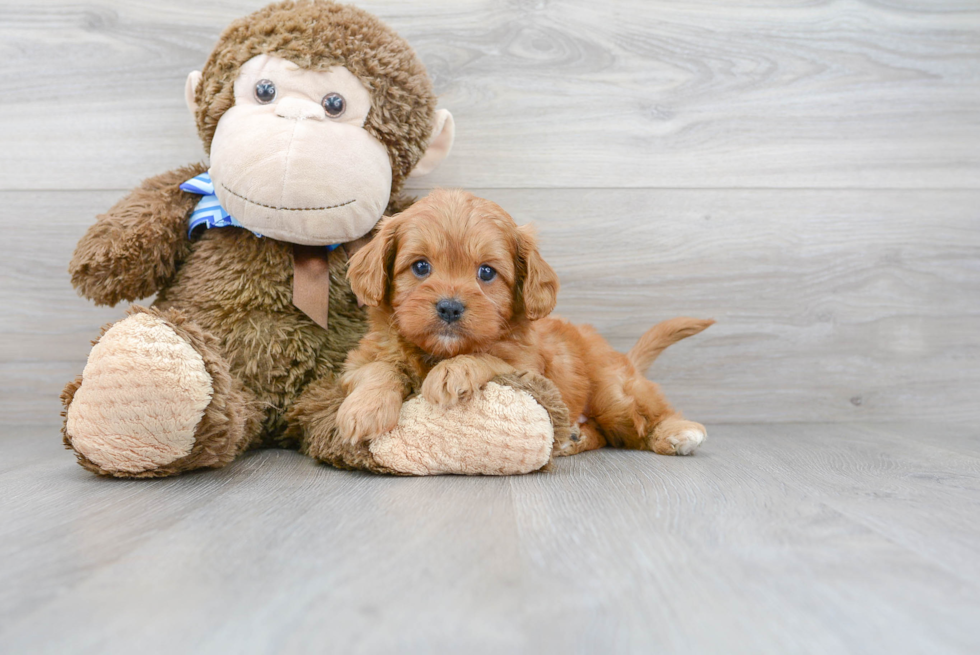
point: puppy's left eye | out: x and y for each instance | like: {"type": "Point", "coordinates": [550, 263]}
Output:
{"type": "Point", "coordinates": [486, 273]}
{"type": "Point", "coordinates": [421, 268]}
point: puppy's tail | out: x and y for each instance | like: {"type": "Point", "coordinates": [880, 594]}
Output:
{"type": "Point", "coordinates": [661, 335]}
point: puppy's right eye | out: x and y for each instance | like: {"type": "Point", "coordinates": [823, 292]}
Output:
{"type": "Point", "coordinates": [421, 268]}
{"type": "Point", "coordinates": [486, 273]}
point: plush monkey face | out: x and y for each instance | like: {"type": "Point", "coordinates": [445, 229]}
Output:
{"type": "Point", "coordinates": [308, 147]}
{"type": "Point", "coordinates": [291, 159]}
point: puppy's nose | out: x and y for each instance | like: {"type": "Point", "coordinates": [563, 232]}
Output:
{"type": "Point", "coordinates": [450, 310]}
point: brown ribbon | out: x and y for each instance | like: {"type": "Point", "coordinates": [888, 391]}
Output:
{"type": "Point", "coordinates": [311, 277]}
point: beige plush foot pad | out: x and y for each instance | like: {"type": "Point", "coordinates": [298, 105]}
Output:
{"type": "Point", "coordinates": [501, 431]}
{"type": "Point", "coordinates": [678, 437]}
{"type": "Point", "coordinates": [144, 390]}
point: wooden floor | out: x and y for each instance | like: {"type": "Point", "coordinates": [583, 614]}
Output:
{"type": "Point", "coordinates": [807, 173]}
{"type": "Point", "coordinates": [773, 539]}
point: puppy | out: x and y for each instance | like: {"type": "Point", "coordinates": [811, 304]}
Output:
{"type": "Point", "coordinates": [459, 294]}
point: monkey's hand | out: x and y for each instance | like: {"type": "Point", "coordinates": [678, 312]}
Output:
{"type": "Point", "coordinates": [135, 247]}
{"type": "Point", "coordinates": [461, 377]}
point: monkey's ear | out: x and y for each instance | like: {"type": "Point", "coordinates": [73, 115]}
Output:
{"type": "Point", "coordinates": [443, 133]}
{"type": "Point", "coordinates": [368, 270]}
{"type": "Point", "coordinates": [190, 88]}
{"type": "Point", "coordinates": [537, 281]}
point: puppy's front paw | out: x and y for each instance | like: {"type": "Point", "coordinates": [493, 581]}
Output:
{"type": "Point", "coordinates": [453, 380]}
{"type": "Point", "coordinates": [364, 416]}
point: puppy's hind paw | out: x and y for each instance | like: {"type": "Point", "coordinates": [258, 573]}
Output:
{"type": "Point", "coordinates": [582, 437]}
{"type": "Point", "coordinates": [569, 445]}
{"type": "Point", "coordinates": [677, 437]}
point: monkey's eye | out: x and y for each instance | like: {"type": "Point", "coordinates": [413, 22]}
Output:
{"type": "Point", "coordinates": [265, 91]}
{"type": "Point", "coordinates": [421, 268]}
{"type": "Point", "coordinates": [486, 273]}
{"type": "Point", "coordinates": [334, 104]}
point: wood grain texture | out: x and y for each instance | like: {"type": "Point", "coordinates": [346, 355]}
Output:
{"type": "Point", "coordinates": [772, 539]}
{"type": "Point", "coordinates": [632, 93]}
{"type": "Point", "coordinates": [807, 172]}
{"type": "Point", "coordinates": [831, 305]}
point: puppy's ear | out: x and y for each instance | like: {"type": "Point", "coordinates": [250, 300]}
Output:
{"type": "Point", "coordinates": [368, 270]}
{"type": "Point", "coordinates": [537, 282]}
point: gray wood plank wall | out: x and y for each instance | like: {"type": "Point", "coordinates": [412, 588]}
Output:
{"type": "Point", "coordinates": [806, 172]}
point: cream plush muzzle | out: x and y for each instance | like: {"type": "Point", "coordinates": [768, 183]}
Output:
{"type": "Point", "coordinates": [287, 170]}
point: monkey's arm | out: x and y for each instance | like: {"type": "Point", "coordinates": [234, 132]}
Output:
{"type": "Point", "coordinates": [135, 247]}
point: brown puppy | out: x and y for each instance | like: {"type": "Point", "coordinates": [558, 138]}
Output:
{"type": "Point", "coordinates": [459, 294]}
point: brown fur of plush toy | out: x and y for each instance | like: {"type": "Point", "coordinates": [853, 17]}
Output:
{"type": "Point", "coordinates": [224, 299]}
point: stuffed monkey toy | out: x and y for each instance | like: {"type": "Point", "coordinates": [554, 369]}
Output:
{"type": "Point", "coordinates": [313, 115]}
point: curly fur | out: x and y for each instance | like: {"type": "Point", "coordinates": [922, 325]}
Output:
{"type": "Point", "coordinates": [502, 327]}
{"type": "Point", "coordinates": [237, 288]}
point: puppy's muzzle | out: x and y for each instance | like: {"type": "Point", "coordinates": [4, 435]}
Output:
{"type": "Point", "coordinates": [450, 310]}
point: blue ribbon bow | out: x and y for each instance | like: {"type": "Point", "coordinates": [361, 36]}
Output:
{"type": "Point", "coordinates": [208, 212]}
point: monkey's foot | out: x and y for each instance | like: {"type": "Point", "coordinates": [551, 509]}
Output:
{"type": "Point", "coordinates": [507, 428]}
{"type": "Point", "coordinates": [674, 436]}
{"type": "Point", "coordinates": [142, 395]}
{"type": "Point", "coordinates": [501, 430]}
